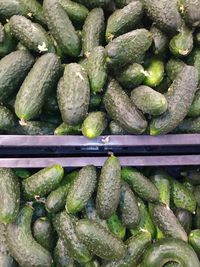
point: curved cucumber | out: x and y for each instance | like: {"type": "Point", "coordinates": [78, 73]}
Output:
{"type": "Point", "coordinates": [116, 227]}
{"type": "Point", "coordinates": [154, 73]}
{"type": "Point", "coordinates": [61, 255]}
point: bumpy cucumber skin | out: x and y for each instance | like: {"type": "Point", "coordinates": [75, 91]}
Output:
{"type": "Point", "coordinates": [124, 20]}
{"type": "Point", "coordinates": [185, 219]}
{"type": "Point", "coordinates": [13, 70]}
{"type": "Point", "coordinates": [94, 124]}
{"type": "Point", "coordinates": [99, 240]}
{"type": "Point", "coordinates": [116, 129]}
{"type": "Point", "coordinates": [8, 43]}
{"type": "Point", "coordinates": [34, 128]}
{"type": "Point", "coordinates": [93, 30]}
{"type": "Point", "coordinates": [194, 240]}
{"type": "Point", "coordinates": [129, 47]}
{"type": "Point", "coordinates": [160, 41]}
{"type": "Point", "coordinates": [58, 20]}
{"type": "Point", "coordinates": [174, 67]}
{"type": "Point", "coordinates": [189, 125]}
{"type": "Point", "coordinates": [73, 94]}
{"type": "Point", "coordinates": [23, 246]}
{"type": "Point", "coordinates": [7, 119]}
{"type": "Point", "coordinates": [10, 8]}
{"type": "Point", "coordinates": [10, 196]}
{"type": "Point", "coordinates": [43, 77]}
{"type": "Point", "coordinates": [43, 182]}
{"type": "Point", "coordinates": [119, 107]}
{"type": "Point", "coordinates": [65, 226]}
{"type": "Point", "coordinates": [154, 73]}
{"type": "Point", "coordinates": [194, 110]}
{"type": "Point", "coordinates": [140, 184]}
{"type": "Point", "coordinates": [116, 227]}
{"type": "Point", "coordinates": [191, 12]}
{"type": "Point", "coordinates": [65, 129]}
{"type": "Point", "coordinates": [177, 93]}
{"type": "Point", "coordinates": [108, 191]}
{"type": "Point", "coordinates": [61, 255]}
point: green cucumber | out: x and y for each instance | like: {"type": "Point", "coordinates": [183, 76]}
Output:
{"type": "Point", "coordinates": [7, 119]}
{"type": "Point", "coordinates": [61, 255]}
{"type": "Point", "coordinates": [164, 85]}
{"type": "Point", "coordinates": [10, 8]}
{"type": "Point", "coordinates": [51, 104]}
{"type": "Point", "coordinates": [191, 12]}
{"type": "Point", "coordinates": [116, 129]}
{"type": "Point", "coordinates": [10, 196]}
{"type": "Point", "coordinates": [93, 30]}
{"type": "Point", "coordinates": [160, 41]}
{"type": "Point", "coordinates": [122, 3]}
{"type": "Point", "coordinates": [177, 93]}
{"type": "Point", "coordinates": [194, 110]}
{"type": "Point", "coordinates": [141, 185]}
{"type": "Point", "coordinates": [93, 263]}
{"type": "Point", "coordinates": [194, 240]}
{"type": "Point", "coordinates": [116, 227]}
{"type": "Point", "coordinates": [42, 77]}
{"type": "Point", "coordinates": [197, 37]}
{"type": "Point", "coordinates": [73, 94]}
{"type": "Point", "coordinates": [66, 129]}
{"type": "Point", "coordinates": [108, 191]}
{"type": "Point", "coordinates": [154, 73]}
{"type": "Point", "coordinates": [57, 20]}
{"type": "Point", "coordinates": [38, 210]}
{"type": "Point", "coordinates": [9, 42]}
{"type": "Point", "coordinates": [174, 67]}
{"type": "Point", "coordinates": [43, 182]}
{"type": "Point", "coordinates": [196, 220]}
{"type": "Point", "coordinates": [22, 173]}
{"type": "Point", "coordinates": [95, 101]}
{"type": "Point", "coordinates": [189, 186]}
{"type": "Point", "coordinates": [170, 249]}
{"type": "Point", "coordinates": [190, 125]}
{"type": "Point", "coordinates": [51, 118]}
{"type": "Point", "coordinates": [94, 3]}
{"type": "Point", "coordinates": [119, 107]}
{"type": "Point", "coordinates": [13, 70]}
{"type": "Point", "coordinates": [185, 219]}
{"type": "Point", "coordinates": [197, 195]}
{"type": "Point", "coordinates": [94, 124]}
{"type": "Point", "coordinates": [99, 240]}
{"type": "Point", "coordinates": [194, 59]}
{"type": "Point", "coordinates": [128, 48]}
{"type": "Point", "coordinates": [124, 20]}
{"type": "Point", "coordinates": [23, 247]}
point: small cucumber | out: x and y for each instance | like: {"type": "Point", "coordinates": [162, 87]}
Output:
{"type": "Point", "coordinates": [174, 67]}
{"type": "Point", "coordinates": [22, 173]}
{"type": "Point", "coordinates": [185, 219]}
{"type": "Point", "coordinates": [116, 227]}
{"type": "Point", "coordinates": [191, 12]}
{"type": "Point", "coordinates": [95, 101]}
{"type": "Point", "coordinates": [94, 124]}
{"type": "Point", "coordinates": [160, 41]}
{"type": "Point", "coordinates": [43, 182]}
{"type": "Point", "coordinates": [154, 73]}
{"type": "Point", "coordinates": [23, 247]}
{"type": "Point", "coordinates": [99, 240]}
{"type": "Point", "coordinates": [108, 192]}
{"type": "Point", "coordinates": [66, 129]}
{"type": "Point", "coordinates": [194, 110]}
{"type": "Point", "coordinates": [61, 255]}
{"type": "Point", "coordinates": [8, 43]}
{"type": "Point", "coordinates": [116, 129]}
{"type": "Point", "coordinates": [194, 240]}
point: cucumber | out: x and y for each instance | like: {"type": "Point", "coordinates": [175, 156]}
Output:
{"type": "Point", "coordinates": [94, 124]}
{"type": "Point", "coordinates": [190, 125]}
{"type": "Point", "coordinates": [93, 263]}
{"type": "Point", "coordinates": [122, 3]}
{"type": "Point", "coordinates": [194, 59]}
{"type": "Point", "coordinates": [124, 20]}
{"type": "Point", "coordinates": [97, 69]}
{"type": "Point", "coordinates": [196, 220]}
{"type": "Point", "coordinates": [51, 104]}
{"type": "Point", "coordinates": [194, 110]}
{"type": "Point", "coordinates": [128, 48]}
{"type": "Point", "coordinates": [164, 13]}
{"type": "Point", "coordinates": [197, 37]}
{"type": "Point", "coordinates": [43, 232]}
{"type": "Point", "coordinates": [131, 76]}
{"type": "Point", "coordinates": [93, 30]}
{"type": "Point", "coordinates": [116, 227]}
{"type": "Point", "coordinates": [42, 182]}
{"type": "Point", "coordinates": [178, 92]}
{"type": "Point", "coordinates": [148, 100]}
{"type": "Point", "coordinates": [51, 118]}
{"type": "Point", "coordinates": [189, 186]}
{"type": "Point", "coordinates": [136, 246]}
{"type": "Point", "coordinates": [95, 101]}
{"type": "Point", "coordinates": [160, 41]}
{"type": "Point", "coordinates": [10, 196]}
{"type": "Point", "coordinates": [13, 70]}
{"type": "Point", "coordinates": [66, 129]}
{"type": "Point", "coordinates": [42, 77]}
{"type": "Point", "coordinates": [73, 94]}
{"type": "Point", "coordinates": [165, 219]}
{"type": "Point", "coordinates": [163, 86]}
{"type": "Point", "coordinates": [185, 219]}
{"type": "Point", "coordinates": [99, 240]}
{"type": "Point", "coordinates": [61, 255]}
{"type": "Point", "coordinates": [116, 129]}
{"type": "Point", "coordinates": [191, 12]}
{"type": "Point", "coordinates": [174, 67]}
{"type": "Point", "coordinates": [154, 73]}
{"type": "Point", "coordinates": [182, 43]}
{"type": "Point", "coordinates": [108, 191]}
{"type": "Point", "coordinates": [65, 227]}
{"type": "Point", "coordinates": [94, 3]}
{"type": "Point", "coordinates": [23, 247]}
{"type": "Point", "coordinates": [7, 119]}
{"type": "Point", "coordinates": [10, 8]}
{"type": "Point", "coordinates": [196, 194]}
{"type": "Point", "coordinates": [170, 249]}
{"type": "Point", "coordinates": [8, 43]}
{"type": "Point", "coordinates": [141, 185]}
{"type": "Point", "coordinates": [38, 210]}
{"type": "Point", "coordinates": [120, 109]}
{"type": "Point", "coordinates": [30, 34]}
{"type": "Point", "coordinates": [57, 20]}
{"type": "Point", "coordinates": [129, 211]}
{"type": "Point", "coordinates": [22, 173]}
{"type": "Point", "coordinates": [194, 240]}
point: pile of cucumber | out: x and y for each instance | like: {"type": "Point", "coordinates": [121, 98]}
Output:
{"type": "Point", "coordinates": [97, 67]}
{"type": "Point", "coordinates": [108, 217]}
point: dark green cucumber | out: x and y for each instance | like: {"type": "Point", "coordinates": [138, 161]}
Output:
{"type": "Point", "coordinates": [51, 104]}
{"type": "Point", "coordinates": [164, 13]}
{"type": "Point", "coordinates": [174, 67]}
{"type": "Point", "coordinates": [93, 30]}
{"type": "Point", "coordinates": [42, 77]}
{"type": "Point", "coordinates": [154, 73]}
{"type": "Point", "coordinates": [43, 182]}
{"type": "Point", "coordinates": [129, 47]}
{"type": "Point", "coordinates": [10, 8]}
{"type": "Point", "coordinates": [194, 240]}
{"type": "Point", "coordinates": [10, 196]}
{"type": "Point", "coordinates": [124, 20]}
{"type": "Point", "coordinates": [122, 3]}
{"type": "Point", "coordinates": [13, 70]}
{"type": "Point", "coordinates": [95, 101]}
{"type": "Point", "coordinates": [141, 185]}
{"type": "Point", "coordinates": [148, 100]}
{"type": "Point", "coordinates": [177, 93]}
{"type": "Point", "coordinates": [191, 12]}
{"type": "Point", "coordinates": [99, 240]}
{"type": "Point", "coordinates": [196, 220]}
{"type": "Point", "coordinates": [136, 246]}
{"type": "Point", "coordinates": [61, 255]}
{"type": "Point", "coordinates": [97, 69]}
{"type": "Point", "coordinates": [185, 219]}
{"type": "Point", "coordinates": [160, 41]}
{"type": "Point", "coordinates": [119, 107]}
{"type": "Point", "coordinates": [131, 76]}
{"type": "Point", "coordinates": [7, 119]}
{"type": "Point", "coordinates": [164, 85]}
{"type": "Point", "coordinates": [22, 173]}
{"type": "Point", "coordinates": [73, 94]}
{"type": "Point", "coordinates": [94, 3]}
{"type": "Point", "coordinates": [66, 129]}
{"type": "Point", "coordinates": [57, 20]}
{"type": "Point", "coordinates": [194, 110]}
{"type": "Point", "coordinates": [167, 222]}
{"type": "Point", "coordinates": [94, 124]}
{"type": "Point", "coordinates": [170, 249]}
{"type": "Point", "coordinates": [129, 211]}
{"type": "Point", "coordinates": [65, 226]}
{"type": "Point", "coordinates": [38, 210]}
{"type": "Point", "coordinates": [108, 192]}
{"type": "Point", "coordinates": [23, 247]}
{"type": "Point", "coordinates": [9, 42]}
{"type": "Point", "coordinates": [197, 194]}
{"type": "Point", "coordinates": [116, 227]}
{"type": "Point", "coordinates": [43, 232]}
{"type": "Point", "coordinates": [51, 118]}
{"type": "Point", "coordinates": [197, 37]}
{"type": "Point", "coordinates": [194, 59]}
{"type": "Point", "coordinates": [190, 125]}
{"type": "Point", "coordinates": [182, 43]}
{"type": "Point", "coordinates": [116, 129]}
